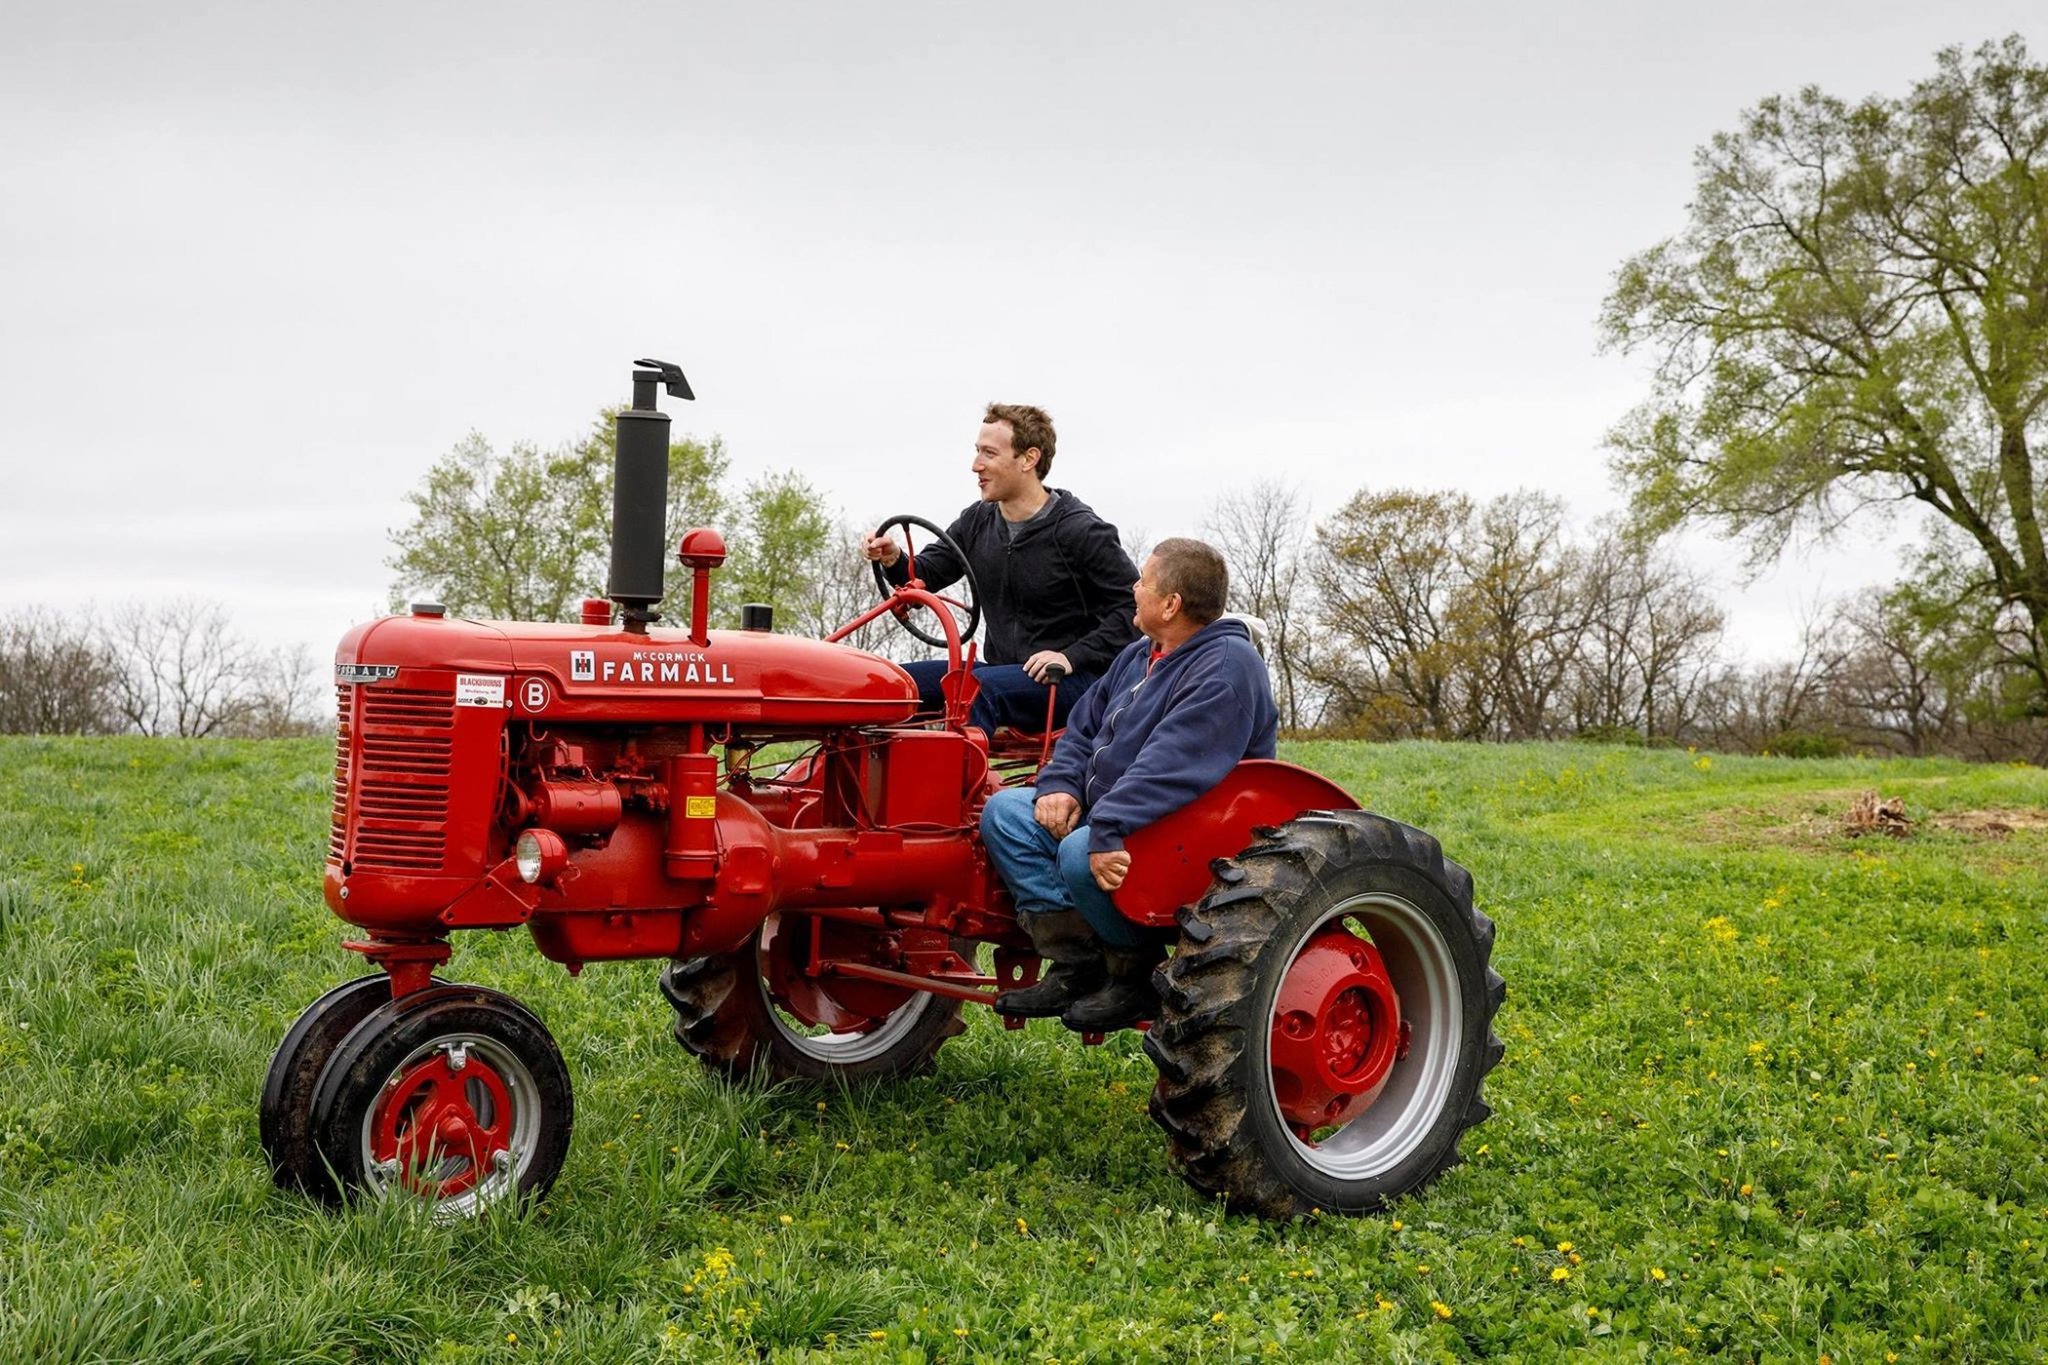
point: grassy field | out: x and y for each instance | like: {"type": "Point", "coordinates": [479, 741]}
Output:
{"type": "Point", "coordinates": [1770, 1093]}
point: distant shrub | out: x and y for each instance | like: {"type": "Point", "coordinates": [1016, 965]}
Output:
{"type": "Point", "coordinates": [1610, 734]}
{"type": "Point", "coordinates": [1807, 744]}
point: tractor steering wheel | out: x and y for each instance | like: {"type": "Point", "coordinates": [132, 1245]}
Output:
{"type": "Point", "coordinates": [971, 607]}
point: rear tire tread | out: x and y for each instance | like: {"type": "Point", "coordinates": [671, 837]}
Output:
{"type": "Point", "coordinates": [1198, 1045]}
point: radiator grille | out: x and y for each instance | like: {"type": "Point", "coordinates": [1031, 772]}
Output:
{"type": "Point", "coordinates": [407, 745]}
{"type": "Point", "coordinates": [337, 836]}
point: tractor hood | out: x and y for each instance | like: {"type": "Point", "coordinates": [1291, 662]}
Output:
{"type": "Point", "coordinates": [604, 675]}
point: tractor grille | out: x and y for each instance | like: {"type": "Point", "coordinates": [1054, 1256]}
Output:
{"type": "Point", "coordinates": [406, 741]}
{"type": "Point", "coordinates": [337, 835]}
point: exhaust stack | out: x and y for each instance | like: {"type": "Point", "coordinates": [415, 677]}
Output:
{"type": "Point", "coordinates": [640, 495]}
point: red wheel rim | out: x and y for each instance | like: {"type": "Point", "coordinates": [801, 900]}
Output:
{"type": "Point", "coordinates": [839, 1004]}
{"type": "Point", "coordinates": [443, 1123]}
{"type": "Point", "coordinates": [1337, 1032]}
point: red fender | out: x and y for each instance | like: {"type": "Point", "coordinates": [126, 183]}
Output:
{"type": "Point", "coordinates": [1170, 857]}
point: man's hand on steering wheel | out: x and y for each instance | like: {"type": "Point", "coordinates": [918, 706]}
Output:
{"type": "Point", "coordinates": [1044, 662]}
{"type": "Point", "coordinates": [882, 551]}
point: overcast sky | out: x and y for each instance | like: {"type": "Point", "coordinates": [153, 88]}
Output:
{"type": "Point", "coordinates": [262, 264]}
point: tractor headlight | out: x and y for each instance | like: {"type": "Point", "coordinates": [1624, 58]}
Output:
{"type": "Point", "coordinates": [541, 855]}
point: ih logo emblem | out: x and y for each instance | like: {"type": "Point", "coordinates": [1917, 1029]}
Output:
{"type": "Point", "coordinates": [582, 665]}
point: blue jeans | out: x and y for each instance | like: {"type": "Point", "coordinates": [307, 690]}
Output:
{"type": "Point", "coordinates": [1007, 696]}
{"type": "Point", "coordinates": [1045, 874]}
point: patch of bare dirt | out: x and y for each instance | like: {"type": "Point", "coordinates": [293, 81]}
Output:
{"type": "Point", "coordinates": [1817, 820]}
{"type": "Point", "coordinates": [1991, 824]}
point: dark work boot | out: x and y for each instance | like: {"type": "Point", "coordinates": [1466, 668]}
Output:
{"type": "Point", "coordinates": [1066, 942]}
{"type": "Point", "coordinates": [1125, 998]}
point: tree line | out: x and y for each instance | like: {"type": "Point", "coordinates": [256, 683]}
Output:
{"type": "Point", "coordinates": [1415, 614]}
{"type": "Point", "coordinates": [171, 668]}
{"type": "Point", "coordinates": [1403, 614]}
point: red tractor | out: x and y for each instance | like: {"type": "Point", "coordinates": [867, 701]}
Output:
{"type": "Point", "coordinates": [1325, 1023]}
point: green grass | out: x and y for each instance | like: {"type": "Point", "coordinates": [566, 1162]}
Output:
{"type": "Point", "coordinates": [1778, 1091]}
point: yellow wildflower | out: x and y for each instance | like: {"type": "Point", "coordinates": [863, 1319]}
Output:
{"type": "Point", "coordinates": [1561, 1273]}
{"type": "Point", "coordinates": [1440, 1309]}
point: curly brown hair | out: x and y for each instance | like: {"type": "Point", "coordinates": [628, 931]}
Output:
{"type": "Point", "coordinates": [1029, 427]}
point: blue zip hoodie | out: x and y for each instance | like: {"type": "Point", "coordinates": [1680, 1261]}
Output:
{"type": "Point", "coordinates": [1154, 735]}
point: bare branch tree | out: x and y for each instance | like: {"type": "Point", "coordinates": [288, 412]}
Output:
{"type": "Point", "coordinates": [55, 678]}
{"type": "Point", "coordinates": [184, 670]}
{"type": "Point", "coordinates": [1263, 535]}
{"type": "Point", "coordinates": [1385, 568]}
{"type": "Point", "coordinates": [287, 696]}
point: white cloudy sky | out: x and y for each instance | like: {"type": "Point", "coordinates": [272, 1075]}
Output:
{"type": "Point", "coordinates": [262, 263]}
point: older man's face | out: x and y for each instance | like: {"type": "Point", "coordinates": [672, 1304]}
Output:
{"type": "Point", "coordinates": [1153, 603]}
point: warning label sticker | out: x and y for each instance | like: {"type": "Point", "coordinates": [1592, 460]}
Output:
{"type": "Point", "coordinates": [479, 689]}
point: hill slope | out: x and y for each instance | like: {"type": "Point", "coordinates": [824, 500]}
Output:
{"type": "Point", "coordinates": [1769, 1092]}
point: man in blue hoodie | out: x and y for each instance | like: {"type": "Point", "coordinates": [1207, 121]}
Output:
{"type": "Point", "coordinates": [1171, 717]}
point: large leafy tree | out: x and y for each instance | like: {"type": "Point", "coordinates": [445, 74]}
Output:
{"type": "Point", "coordinates": [1856, 314]}
{"type": "Point", "coordinates": [526, 535]}
{"type": "Point", "coordinates": [782, 554]}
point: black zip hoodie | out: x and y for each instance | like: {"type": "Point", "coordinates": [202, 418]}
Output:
{"type": "Point", "coordinates": [1061, 581]}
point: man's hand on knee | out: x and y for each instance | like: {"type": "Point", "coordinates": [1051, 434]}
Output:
{"type": "Point", "coordinates": [1057, 813]}
{"type": "Point", "coordinates": [1110, 869]}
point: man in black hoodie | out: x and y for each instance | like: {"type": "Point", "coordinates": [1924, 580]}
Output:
{"type": "Point", "coordinates": [1054, 580]}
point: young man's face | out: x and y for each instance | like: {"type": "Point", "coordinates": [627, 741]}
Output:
{"type": "Point", "coordinates": [999, 468]}
{"type": "Point", "coordinates": [1153, 603]}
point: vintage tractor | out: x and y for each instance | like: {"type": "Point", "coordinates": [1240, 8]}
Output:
{"type": "Point", "coordinates": [1325, 1021]}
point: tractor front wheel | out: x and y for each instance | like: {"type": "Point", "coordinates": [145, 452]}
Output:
{"type": "Point", "coordinates": [762, 1009]}
{"type": "Point", "coordinates": [455, 1095]}
{"type": "Point", "coordinates": [285, 1111]}
{"type": "Point", "coordinates": [1327, 1020]}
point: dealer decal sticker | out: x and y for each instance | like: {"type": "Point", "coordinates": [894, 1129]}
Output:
{"type": "Point", "coordinates": [479, 689]}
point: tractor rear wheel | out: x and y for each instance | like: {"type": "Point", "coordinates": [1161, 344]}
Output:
{"type": "Point", "coordinates": [1327, 1021]}
{"type": "Point", "coordinates": [285, 1111]}
{"type": "Point", "coordinates": [757, 1010]}
{"type": "Point", "coordinates": [455, 1095]}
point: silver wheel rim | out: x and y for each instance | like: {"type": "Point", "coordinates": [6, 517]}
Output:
{"type": "Point", "coordinates": [384, 1182]}
{"type": "Point", "coordinates": [844, 1049]}
{"type": "Point", "coordinates": [1425, 977]}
